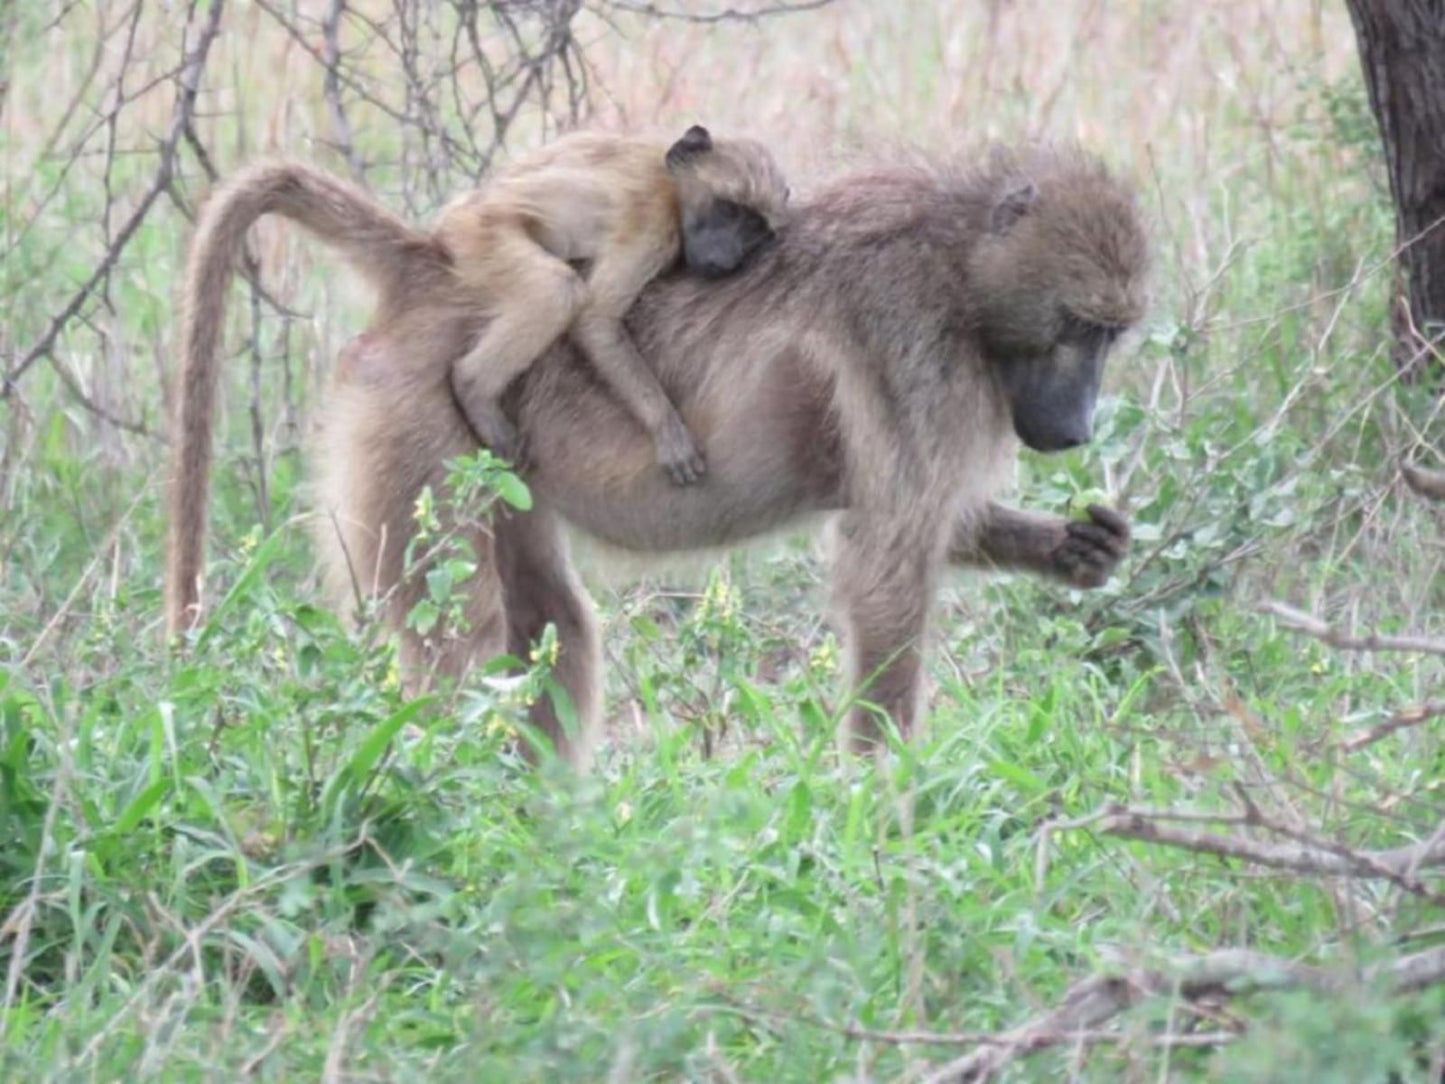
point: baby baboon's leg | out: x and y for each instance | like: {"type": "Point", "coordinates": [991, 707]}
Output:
{"type": "Point", "coordinates": [882, 575]}
{"type": "Point", "coordinates": [621, 271]}
{"type": "Point", "coordinates": [541, 586]}
{"type": "Point", "coordinates": [533, 298]}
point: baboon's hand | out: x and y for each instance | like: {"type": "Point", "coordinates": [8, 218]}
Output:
{"type": "Point", "coordinates": [1090, 549]}
{"type": "Point", "coordinates": [677, 452]}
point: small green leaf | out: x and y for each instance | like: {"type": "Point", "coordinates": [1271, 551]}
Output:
{"type": "Point", "coordinates": [439, 583]}
{"type": "Point", "coordinates": [1021, 778]}
{"type": "Point", "coordinates": [424, 616]}
{"type": "Point", "coordinates": [514, 491]}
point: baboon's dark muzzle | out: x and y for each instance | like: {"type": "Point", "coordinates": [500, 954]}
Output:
{"type": "Point", "coordinates": [1052, 400]}
{"type": "Point", "coordinates": [1053, 440]}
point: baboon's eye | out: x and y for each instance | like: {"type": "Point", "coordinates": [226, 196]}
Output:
{"type": "Point", "coordinates": [748, 222]}
{"type": "Point", "coordinates": [1079, 329]}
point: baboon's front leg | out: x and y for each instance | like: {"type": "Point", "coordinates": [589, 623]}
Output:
{"type": "Point", "coordinates": [1081, 553]}
{"type": "Point", "coordinates": [883, 578]}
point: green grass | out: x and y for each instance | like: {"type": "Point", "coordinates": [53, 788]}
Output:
{"type": "Point", "coordinates": [231, 868]}
{"type": "Point", "coordinates": [264, 859]}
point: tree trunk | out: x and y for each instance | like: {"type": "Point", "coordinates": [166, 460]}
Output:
{"type": "Point", "coordinates": [1402, 52]}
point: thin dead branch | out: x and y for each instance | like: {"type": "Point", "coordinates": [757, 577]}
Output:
{"type": "Point", "coordinates": [188, 83]}
{"type": "Point", "coordinates": [1303, 853]}
{"type": "Point", "coordinates": [1405, 717]}
{"type": "Point", "coordinates": [330, 24]}
{"type": "Point", "coordinates": [725, 15]}
{"type": "Point", "coordinates": [1211, 978]}
{"type": "Point", "coordinates": [1320, 630]}
{"type": "Point", "coordinates": [926, 1037]}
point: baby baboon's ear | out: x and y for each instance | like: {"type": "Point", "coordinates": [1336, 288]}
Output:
{"type": "Point", "coordinates": [696, 140]}
{"type": "Point", "coordinates": [1012, 206]}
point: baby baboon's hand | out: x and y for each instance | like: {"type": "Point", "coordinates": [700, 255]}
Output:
{"type": "Point", "coordinates": [677, 452]}
{"type": "Point", "coordinates": [1090, 549]}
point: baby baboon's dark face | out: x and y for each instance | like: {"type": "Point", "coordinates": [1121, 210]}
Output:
{"type": "Point", "coordinates": [718, 238]}
{"type": "Point", "coordinates": [733, 199]}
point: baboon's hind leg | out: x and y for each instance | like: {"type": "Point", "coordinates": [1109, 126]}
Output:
{"type": "Point", "coordinates": [540, 586]}
{"type": "Point", "coordinates": [370, 468]}
{"type": "Point", "coordinates": [882, 576]}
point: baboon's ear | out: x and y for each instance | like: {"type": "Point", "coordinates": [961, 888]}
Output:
{"type": "Point", "coordinates": [696, 140]}
{"type": "Point", "coordinates": [1012, 206]}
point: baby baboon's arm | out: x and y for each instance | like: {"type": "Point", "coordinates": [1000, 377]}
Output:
{"type": "Point", "coordinates": [624, 267]}
{"type": "Point", "coordinates": [1081, 553]}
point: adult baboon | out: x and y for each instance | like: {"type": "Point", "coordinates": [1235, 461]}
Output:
{"type": "Point", "coordinates": [875, 364]}
{"type": "Point", "coordinates": [628, 207]}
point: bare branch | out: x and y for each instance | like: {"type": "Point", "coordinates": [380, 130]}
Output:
{"type": "Point", "coordinates": [1305, 853]}
{"type": "Point", "coordinates": [1311, 856]}
{"type": "Point", "coordinates": [330, 32]}
{"type": "Point", "coordinates": [925, 1037]}
{"type": "Point", "coordinates": [1405, 717]}
{"type": "Point", "coordinates": [1313, 626]}
{"type": "Point", "coordinates": [736, 15]}
{"type": "Point", "coordinates": [189, 83]}
{"type": "Point", "coordinates": [1429, 484]}
{"type": "Point", "coordinates": [1215, 976]}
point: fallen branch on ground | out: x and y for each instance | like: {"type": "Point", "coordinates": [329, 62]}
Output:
{"type": "Point", "coordinates": [1303, 853]}
{"type": "Point", "coordinates": [1320, 630]}
{"type": "Point", "coordinates": [1213, 977]}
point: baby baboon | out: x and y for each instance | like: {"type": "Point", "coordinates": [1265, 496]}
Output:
{"type": "Point", "coordinates": [721, 201]}
{"type": "Point", "coordinates": [876, 364]}
{"type": "Point", "coordinates": [626, 207]}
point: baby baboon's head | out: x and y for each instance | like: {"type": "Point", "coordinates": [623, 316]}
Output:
{"type": "Point", "coordinates": [734, 199]}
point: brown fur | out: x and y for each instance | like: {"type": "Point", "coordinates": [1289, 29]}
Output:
{"type": "Point", "coordinates": [874, 364]}
{"type": "Point", "coordinates": [619, 205]}
{"type": "Point", "coordinates": [393, 257]}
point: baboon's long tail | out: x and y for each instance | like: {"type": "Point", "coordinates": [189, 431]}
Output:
{"type": "Point", "coordinates": [380, 245]}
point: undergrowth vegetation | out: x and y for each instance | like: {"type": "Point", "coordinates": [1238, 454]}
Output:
{"type": "Point", "coordinates": [264, 861]}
